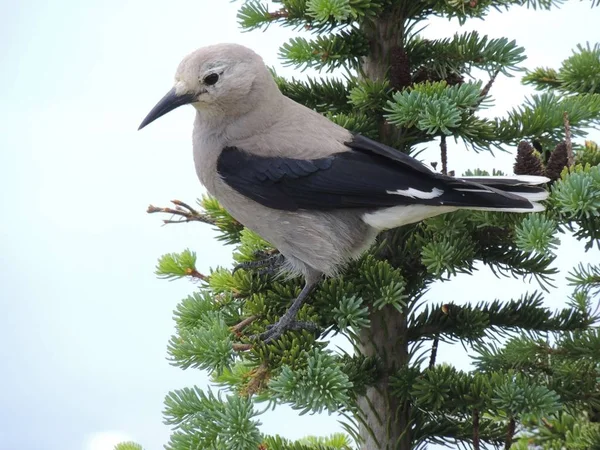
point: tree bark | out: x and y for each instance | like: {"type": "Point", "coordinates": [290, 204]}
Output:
{"type": "Point", "coordinates": [384, 418]}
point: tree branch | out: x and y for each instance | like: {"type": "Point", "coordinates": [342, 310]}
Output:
{"type": "Point", "coordinates": [486, 89]}
{"type": "Point", "coordinates": [434, 349]}
{"type": "Point", "coordinates": [185, 213]}
{"type": "Point", "coordinates": [570, 159]}
{"type": "Point", "coordinates": [444, 150]}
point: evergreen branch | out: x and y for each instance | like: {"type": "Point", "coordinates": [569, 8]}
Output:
{"type": "Point", "coordinates": [229, 227]}
{"type": "Point", "coordinates": [356, 122]}
{"type": "Point", "coordinates": [444, 58]}
{"type": "Point", "coordinates": [206, 421]}
{"type": "Point", "coordinates": [128, 446]}
{"type": "Point", "coordinates": [316, 15]}
{"type": "Point", "coordinates": [439, 109]}
{"type": "Point", "coordinates": [337, 441]}
{"type": "Point", "coordinates": [543, 115]}
{"type": "Point", "coordinates": [586, 279]}
{"type": "Point", "coordinates": [504, 260]}
{"type": "Point", "coordinates": [579, 74]}
{"type": "Point", "coordinates": [463, 10]}
{"type": "Point", "coordinates": [542, 78]}
{"type": "Point", "coordinates": [451, 431]}
{"type": "Point", "coordinates": [207, 347]}
{"type": "Point", "coordinates": [322, 95]}
{"type": "Point", "coordinates": [370, 96]}
{"type": "Point", "coordinates": [326, 52]}
{"type": "Point", "coordinates": [473, 322]}
{"type": "Point", "coordinates": [178, 265]}
{"type": "Point", "coordinates": [321, 385]}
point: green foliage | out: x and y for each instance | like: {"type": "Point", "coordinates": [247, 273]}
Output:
{"type": "Point", "coordinates": [577, 200]}
{"type": "Point", "coordinates": [351, 314]}
{"type": "Point", "coordinates": [326, 52]}
{"type": "Point", "coordinates": [579, 74]}
{"type": "Point", "coordinates": [176, 265]}
{"type": "Point", "coordinates": [336, 441]}
{"type": "Point", "coordinates": [206, 421]}
{"type": "Point", "coordinates": [322, 94]}
{"type": "Point", "coordinates": [250, 244]}
{"type": "Point", "coordinates": [321, 385]}
{"type": "Point", "coordinates": [324, 10]}
{"type": "Point", "coordinates": [586, 279]}
{"type": "Point", "coordinates": [356, 122]}
{"type": "Point", "coordinates": [565, 430]}
{"type": "Point", "coordinates": [128, 446]}
{"type": "Point", "coordinates": [589, 154]}
{"type": "Point", "coordinates": [543, 115]}
{"type": "Point", "coordinates": [537, 234]}
{"type": "Point", "coordinates": [369, 96]}
{"type": "Point", "coordinates": [230, 229]}
{"type": "Point", "coordinates": [464, 9]}
{"type": "Point", "coordinates": [382, 284]}
{"type": "Point", "coordinates": [207, 346]}
{"type": "Point", "coordinates": [464, 52]}
{"type": "Point", "coordinates": [434, 107]}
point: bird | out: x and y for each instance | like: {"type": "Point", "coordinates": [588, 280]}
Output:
{"type": "Point", "coordinates": [317, 192]}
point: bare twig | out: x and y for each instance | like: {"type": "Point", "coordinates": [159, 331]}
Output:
{"type": "Point", "coordinates": [195, 274]}
{"type": "Point", "coordinates": [434, 349]}
{"type": "Point", "coordinates": [570, 158]}
{"type": "Point", "coordinates": [237, 329]}
{"type": "Point", "coordinates": [183, 211]}
{"type": "Point", "coordinates": [280, 14]}
{"type": "Point", "coordinates": [444, 150]}
{"type": "Point", "coordinates": [486, 89]}
{"type": "Point", "coordinates": [241, 347]}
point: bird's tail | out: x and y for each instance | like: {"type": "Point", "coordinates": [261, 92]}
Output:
{"type": "Point", "coordinates": [519, 193]}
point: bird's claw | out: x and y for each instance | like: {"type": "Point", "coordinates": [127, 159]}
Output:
{"type": "Point", "coordinates": [268, 263]}
{"type": "Point", "coordinates": [276, 330]}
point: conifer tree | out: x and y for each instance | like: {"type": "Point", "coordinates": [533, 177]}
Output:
{"type": "Point", "coordinates": [405, 90]}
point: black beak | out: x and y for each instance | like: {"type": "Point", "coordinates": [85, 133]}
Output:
{"type": "Point", "coordinates": [166, 104]}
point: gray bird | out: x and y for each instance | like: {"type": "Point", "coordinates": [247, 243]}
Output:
{"type": "Point", "coordinates": [317, 192]}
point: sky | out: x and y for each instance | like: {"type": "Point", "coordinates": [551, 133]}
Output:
{"type": "Point", "coordinates": [85, 323]}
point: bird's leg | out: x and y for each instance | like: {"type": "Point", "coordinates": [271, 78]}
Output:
{"type": "Point", "coordinates": [268, 263]}
{"type": "Point", "coordinates": [287, 321]}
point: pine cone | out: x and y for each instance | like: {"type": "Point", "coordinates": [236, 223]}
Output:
{"type": "Point", "coordinates": [527, 162]}
{"type": "Point", "coordinates": [557, 162]}
{"type": "Point", "coordinates": [400, 69]}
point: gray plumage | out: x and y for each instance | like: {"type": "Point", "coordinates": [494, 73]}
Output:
{"type": "Point", "coordinates": [255, 147]}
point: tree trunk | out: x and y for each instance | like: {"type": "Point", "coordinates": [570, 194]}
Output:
{"type": "Point", "coordinates": [385, 420]}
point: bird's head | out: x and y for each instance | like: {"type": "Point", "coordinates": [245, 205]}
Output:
{"type": "Point", "coordinates": [225, 79]}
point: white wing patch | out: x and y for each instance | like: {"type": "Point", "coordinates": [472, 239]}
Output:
{"type": "Point", "coordinates": [525, 179]}
{"type": "Point", "coordinates": [396, 216]}
{"type": "Point", "coordinates": [415, 193]}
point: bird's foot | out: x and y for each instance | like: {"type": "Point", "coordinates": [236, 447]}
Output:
{"type": "Point", "coordinates": [274, 331]}
{"type": "Point", "coordinates": [268, 263]}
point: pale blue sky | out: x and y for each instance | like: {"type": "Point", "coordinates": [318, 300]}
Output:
{"type": "Point", "coordinates": [85, 322]}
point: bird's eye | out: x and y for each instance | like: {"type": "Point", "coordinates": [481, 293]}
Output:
{"type": "Point", "coordinates": [211, 79]}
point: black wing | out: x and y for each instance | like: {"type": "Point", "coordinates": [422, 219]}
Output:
{"type": "Point", "coordinates": [369, 175]}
